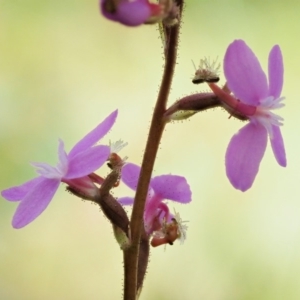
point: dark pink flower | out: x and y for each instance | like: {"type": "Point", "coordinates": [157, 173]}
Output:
{"type": "Point", "coordinates": [169, 187]}
{"type": "Point", "coordinates": [254, 97]}
{"type": "Point", "coordinates": [129, 12]}
{"type": "Point", "coordinates": [73, 168]}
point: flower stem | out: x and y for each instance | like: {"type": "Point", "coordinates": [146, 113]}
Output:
{"type": "Point", "coordinates": [158, 123]}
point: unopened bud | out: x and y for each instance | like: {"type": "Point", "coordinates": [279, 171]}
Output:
{"type": "Point", "coordinates": [131, 13]}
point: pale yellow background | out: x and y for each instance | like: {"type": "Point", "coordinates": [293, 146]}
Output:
{"type": "Point", "coordinates": [63, 68]}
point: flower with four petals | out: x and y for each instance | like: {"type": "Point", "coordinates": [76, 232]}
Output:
{"type": "Point", "coordinates": [73, 169]}
{"type": "Point", "coordinates": [254, 97]}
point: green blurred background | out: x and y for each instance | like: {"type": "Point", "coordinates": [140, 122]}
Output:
{"type": "Point", "coordinates": [63, 68]}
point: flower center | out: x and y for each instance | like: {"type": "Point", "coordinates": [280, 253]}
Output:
{"type": "Point", "coordinates": [48, 171]}
{"type": "Point", "coordinates": [265, 116]}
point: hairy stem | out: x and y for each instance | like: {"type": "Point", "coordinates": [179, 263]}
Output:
{"type": "Point", "coordinates": [131, 254]}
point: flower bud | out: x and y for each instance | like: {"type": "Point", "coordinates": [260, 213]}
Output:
{"type": "Point", "coordinates": [131, 12]}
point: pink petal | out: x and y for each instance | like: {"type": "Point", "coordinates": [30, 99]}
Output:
{"type": "Point", "coordinates": [126, 200]}
{"type": "Point", "coordinates": [130, 175]}
{"type": "Point", "coordinates": [17, 193]}
{"type": "Point", "coordinates": [244, 74]}
{"type": "Point", "coordinates": [275, 72]}
{"type": "Point", "coordinates": [172, 187]}
{"type": "Point", "coordinates": [35, 202]}
{"type": "Point", "coordinates": [244, 154]}
{"type": "Point", "coordinates": [278, 146]}
{"type": "Point", "coordinates": [87, 162]}
{"type": "Point", "coordinates": [95, 135]}
{"type": "Point", "coordinates": [130, 13]}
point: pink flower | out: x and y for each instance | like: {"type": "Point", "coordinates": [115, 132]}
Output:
{"type": "Point", "coordinates": [130, 12]}
{"type": "Point", "coordinates": [171, 187]}
{"type": "Point", "coordinates": [73, 169]}
{"type": "Point", "coordinates": [254, 97]}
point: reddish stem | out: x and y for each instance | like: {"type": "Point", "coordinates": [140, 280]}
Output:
{"type": "Point", "coordinates": [155, 134]}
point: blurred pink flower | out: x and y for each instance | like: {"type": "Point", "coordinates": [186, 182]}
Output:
{"type": "Point", "coordinates": [129, 12]}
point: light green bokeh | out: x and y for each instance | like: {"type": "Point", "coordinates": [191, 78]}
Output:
{"type": "Point", "coordinates": [63, 68]}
